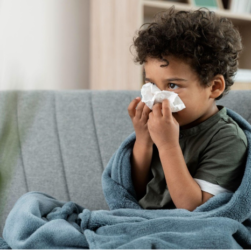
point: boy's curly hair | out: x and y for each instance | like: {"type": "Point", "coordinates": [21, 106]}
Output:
{"type": "Point", "coordinates": [210, 44]}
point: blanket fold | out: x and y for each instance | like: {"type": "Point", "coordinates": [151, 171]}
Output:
{"type": "Point", "coordinates": [38, 220]}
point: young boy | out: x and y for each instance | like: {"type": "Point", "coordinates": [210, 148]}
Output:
{"type": "Point", "coordinates": [182, 159]}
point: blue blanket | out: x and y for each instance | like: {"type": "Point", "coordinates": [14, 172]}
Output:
{"type": "Point", "coordinates": [40, 221]}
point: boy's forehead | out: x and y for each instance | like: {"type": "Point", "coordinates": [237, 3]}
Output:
{"type": "Point", "coordinates": [152, 68]}
{"type": "Point", "coordinates": [172, 64]}
{"type": "Point", "coordinates": [155, 61]}
{"type": "Point", "coordinates": [172, 73]}
{"type": "Point", "coordinates": [149, 65]}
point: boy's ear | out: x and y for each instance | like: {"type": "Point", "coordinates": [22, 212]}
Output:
{"type": "Point", "coordinates": [217, 86]}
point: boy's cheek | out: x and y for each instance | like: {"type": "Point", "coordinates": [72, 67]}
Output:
{"type": "Point", "coordinates": [180, 117]}
{"type": "Point", "coordinates": [176, 116]}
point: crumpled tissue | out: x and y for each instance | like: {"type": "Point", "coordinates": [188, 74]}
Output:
{"type": "Point", "coordinates": [151, 94]}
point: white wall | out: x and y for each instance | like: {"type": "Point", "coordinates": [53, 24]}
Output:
{"type": "Point", "coordinates": [44, 44]}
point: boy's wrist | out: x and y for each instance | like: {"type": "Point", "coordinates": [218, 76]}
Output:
{"type": "Point", "coordinates": [143, 144]}
{"type": "Point", "coordinates": [169, 147]}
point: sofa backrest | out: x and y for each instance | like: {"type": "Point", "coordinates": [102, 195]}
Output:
{"type": "Point", "coordinates": [59, 142]}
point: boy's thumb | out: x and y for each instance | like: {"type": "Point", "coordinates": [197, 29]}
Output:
{"type": "Point", "coordinates": [165, 102]}
{"type": "Point", "coordinates": [165, 105]}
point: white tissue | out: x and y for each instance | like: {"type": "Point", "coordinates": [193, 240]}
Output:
{"type": "Point", "coordinates": [151, 94]}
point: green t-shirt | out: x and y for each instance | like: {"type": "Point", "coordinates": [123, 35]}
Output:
{"type": "Point", "coordinates": [214, 151]}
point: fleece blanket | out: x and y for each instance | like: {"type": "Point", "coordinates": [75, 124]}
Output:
{"type": "Point", "coordinates": [38, 220]}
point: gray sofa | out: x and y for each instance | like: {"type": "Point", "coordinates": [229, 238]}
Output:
{"type": "Point", "coordinates": [59, 142]}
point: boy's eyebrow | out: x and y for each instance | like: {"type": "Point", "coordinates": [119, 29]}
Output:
{"type": "Point", "coordinates": [169, 79]}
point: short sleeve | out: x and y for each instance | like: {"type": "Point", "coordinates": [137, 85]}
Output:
{"type": "Point", "coordinates": [223, 162]}
{"type": "Point", "coordinates": [210, 187]}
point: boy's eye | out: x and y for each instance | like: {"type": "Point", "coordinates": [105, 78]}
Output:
{"type": "Point", "coordinates": [172, 85]}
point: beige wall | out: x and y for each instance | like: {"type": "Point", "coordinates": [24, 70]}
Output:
{"type": "Point", "coordinates": [113, 25]}
{"type": "Point", "coordinates": [44, 44]}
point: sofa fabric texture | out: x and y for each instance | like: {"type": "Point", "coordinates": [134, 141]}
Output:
{"type": "Point", "coordinates": [59, 142]}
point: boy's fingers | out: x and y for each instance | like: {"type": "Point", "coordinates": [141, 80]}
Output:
{"type": "Point", "coordinates": [139, 109]}
{"type": "Point", "coordinates": [145, 113]}
{"type": "Point", "coordinates": [157, 109]}
{"type": "Point", "coordinates": [166, 109]}
{"type": "Point", "coordinates": [132, 106]}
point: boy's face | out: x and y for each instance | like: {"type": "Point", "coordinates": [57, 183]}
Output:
{"type": "Point", "coordinates": [179, 77]}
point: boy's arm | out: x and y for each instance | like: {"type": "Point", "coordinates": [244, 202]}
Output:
{"type": "Point", "coordinates": [141, 160]}
{"type": "Point", "coordinates": [164, 131]}
{"type": "Point", "coordinates": [184, 190]}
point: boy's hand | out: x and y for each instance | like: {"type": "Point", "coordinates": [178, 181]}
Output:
{"type": "Point", "coordinates": [163, 128]}
{"type": "Point", "coordinates": [139, 117]}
